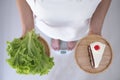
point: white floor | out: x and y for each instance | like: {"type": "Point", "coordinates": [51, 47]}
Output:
{"type": "Point", "coordinates": [65, 66]}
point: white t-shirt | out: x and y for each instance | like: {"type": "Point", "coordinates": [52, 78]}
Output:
{"type": "Point", "coordinates": [67, 20]}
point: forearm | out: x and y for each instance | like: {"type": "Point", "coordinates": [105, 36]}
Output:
{"type": "Point", "coordinates": [26, 16]}
{"type": "Point", "coordinates": [98, 17]}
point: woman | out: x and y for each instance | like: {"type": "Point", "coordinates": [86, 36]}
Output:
{"type": "Point", "coordinates": [67, 20]}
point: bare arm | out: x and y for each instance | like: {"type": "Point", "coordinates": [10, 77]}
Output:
{"type": "Point", "coordinates": [98, 17]}
{"type": "Point", "coordinates": [26, 16]}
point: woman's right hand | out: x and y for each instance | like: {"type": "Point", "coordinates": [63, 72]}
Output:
{"type": "Point", "coordinates": [24, 32]}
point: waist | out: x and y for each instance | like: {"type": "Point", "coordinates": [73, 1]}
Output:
{"type": "Point", "coordinates": [62, 22]}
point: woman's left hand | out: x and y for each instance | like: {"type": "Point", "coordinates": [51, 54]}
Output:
{"type": "Point", "coordinates": [94, 33]}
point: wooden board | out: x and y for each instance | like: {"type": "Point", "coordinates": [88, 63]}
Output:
{"type": "Point", "coordinates": [47, 49]}
{"type": "Point", "coordinates": [82, 57]}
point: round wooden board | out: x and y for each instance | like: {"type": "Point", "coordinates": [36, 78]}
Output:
{"type": "Point", "coordinates": [47, 49]}
{"type": "Point", "coordinates": [82, 57]}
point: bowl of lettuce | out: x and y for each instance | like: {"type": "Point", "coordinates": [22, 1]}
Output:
{"type": "Point", "coordinates": [29, 54]}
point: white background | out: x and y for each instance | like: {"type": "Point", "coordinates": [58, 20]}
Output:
{"type": "Point", "coordinates": [65, 68]}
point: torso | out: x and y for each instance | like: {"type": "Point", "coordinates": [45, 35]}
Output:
{"type": "Point", "coordinates": [62, 13]}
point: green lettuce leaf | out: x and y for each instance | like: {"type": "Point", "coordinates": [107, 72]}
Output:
{"type": "Point", "coordinates": [27, 55]}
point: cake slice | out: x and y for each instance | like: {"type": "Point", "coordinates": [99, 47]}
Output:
{"type": "Point", "coordinates": [96, 50]}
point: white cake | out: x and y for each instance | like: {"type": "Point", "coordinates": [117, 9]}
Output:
{"type": "Point", "coordinates": [96, 50]}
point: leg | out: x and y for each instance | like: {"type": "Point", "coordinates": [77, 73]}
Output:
{"type": "Point", "coordinates": [71, 45]}
{"type": "Point", "coordinates": [55, 43]}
